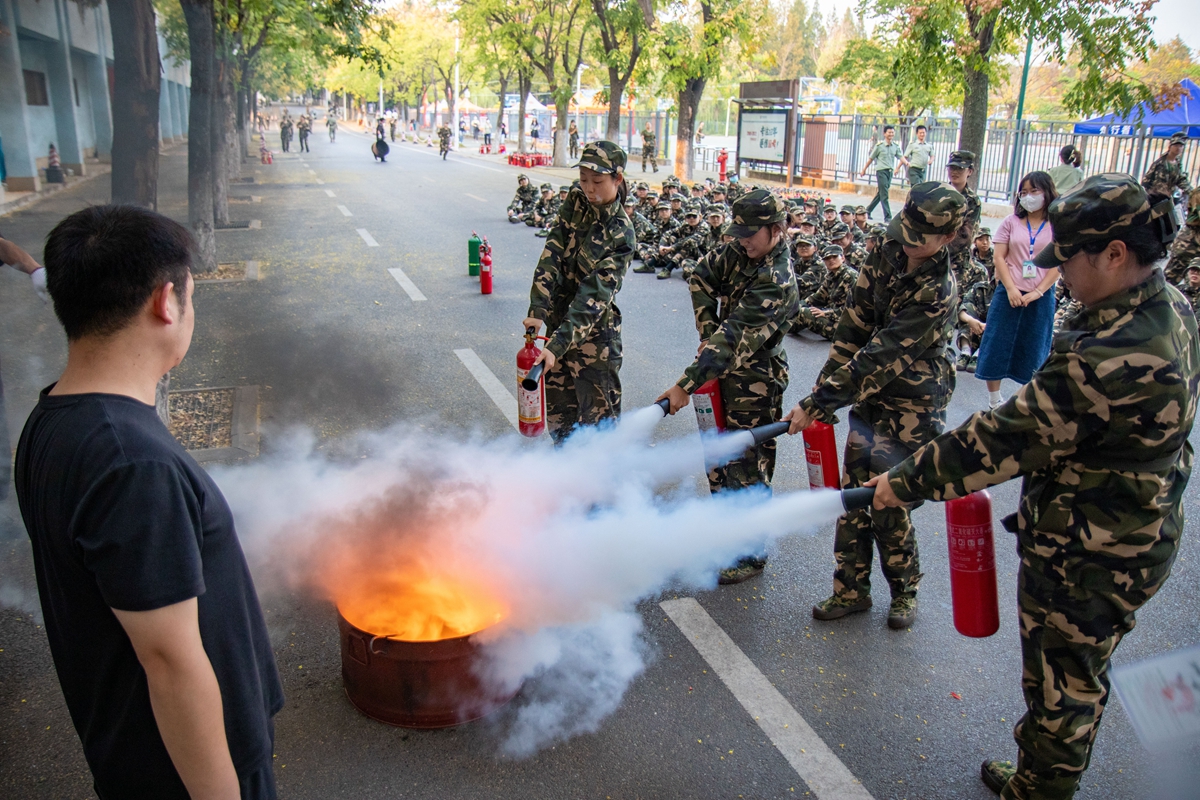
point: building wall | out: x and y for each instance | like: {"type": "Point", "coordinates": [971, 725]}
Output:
{"type": "Point", "coordinates": [81, 95]}
{"type": "Point", "coordinates": [38, 16]}
{"type": "Point", "coordinates": [43, 130]}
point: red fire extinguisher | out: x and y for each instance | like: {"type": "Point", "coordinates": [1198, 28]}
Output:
{"type": "Point", "coordinates": [972, 565]}
{"type": "Point", "coordinates": [485, 267]}
{"type": "Point", "coordinates": [531, 389]}
{"type": "Point", "coordinates": [722, 160]}
{"type": "Point", "coordinates": [820, 452]}
{"type": "Point", "coordinates": [710, 409]}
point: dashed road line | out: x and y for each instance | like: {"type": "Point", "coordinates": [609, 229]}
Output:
{"type": "Point", "coordinates": [312, 172]}
{"type": "Point", "coordinates": [368, 238]}
{"type": "Point", "coordinates": [475, 197]}
{"type": "Point", "coordinates": [255, 224]}
{"type": "Point", "coordinates": [320, 182]}
{"type": "Point", "coordinates": [812, 759]}
{"type": "Point", "coordinates": [407, 285]}
{"type": "Point", "coordinates": [345, 211]}
{"type": "Point", "coordinates": [496, 390]}
{"type": "Point", "coordinates": [329, 193]}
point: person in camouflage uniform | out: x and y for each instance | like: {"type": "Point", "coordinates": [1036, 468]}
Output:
{"type": "Point", "coordinates": [744, 297]}
{"type": "Point", "coordinates": [855, 253]}
{"type": "Point", "coordinates": [875, 237]}
{"type": "Point", "coordinates": [1187, 243]}
{"type": "Point", "coordinates": [649, 147]}
{"type": "Point", "coordinates": [822, 310]}
{"type": "Point", "coordinates": [685, 243]}
{"type": "Point", "coordinates": [1166, 174]}
{"type": "Point", "coordinates": [808, 266]}
{"type": "Point", "coordinates": [714, 215]}
{"type": "Point", "coordinates": [1100, 438]}
{"type": "Point", "coordinates": [972, 318]}
{"type": "Point", "coordinates": [810, 229]}
{"type": "Point", "coordinates": [574, 293]}
{"type": "Point", "coordinates": [736, 190]}
{"type": "Point", "coordinates": [718, 196]}
{"type": "Point", "coordinates": [522, 202]}
{"type": "Point", "coordinates": [542, 207]}
{"type": "Point", "coordinates": [1191, 287]}
{"type": "Point", "coordinates": [664, 226]}
{"type": "Point", "coordinates": [983, 251]}
{"type": "Point", "coordinates": [959, 169]}
{"type": "Point", "coordinates": [677, 207]}
{"type": "Point", "coordinates": [646, 199]}
{"type": "Point", "coordinates": [828, 221]}
{"type": "Point", "coordinates": [642, 227]}
{"type": "Point", "coordinates": [890, 359]}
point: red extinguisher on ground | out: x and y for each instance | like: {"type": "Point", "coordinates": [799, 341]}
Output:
{"type": "Point", "coordinates": [820, 452]}
{"type": "Point", "coordinates": [710, 409]}
{"type": "Point", "coordinates": [972, 565]}
{"type": "Point", "coordinates": [531, 389]}
{"type": "Point", "coordinates": [485, 267]}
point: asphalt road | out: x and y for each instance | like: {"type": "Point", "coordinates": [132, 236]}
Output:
{"type": "Point", "coordinates": [340, 347]}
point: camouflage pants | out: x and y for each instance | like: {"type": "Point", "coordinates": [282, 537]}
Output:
{"type": "Point", "coordinates": [653, 157]}
{"type": "Point", "coordinates": [878, 441]}
{"type": "Point", "coordinates": [824, 325]}
{"type": "Point", "coordinates": [648, 252]}
{"type": "Point", "coordinates": [751, 400]}
{"type": "Point", "coordinates": [584, 388]}
{"type": "Point", "coordinates": [964, 336]}
{"type": "Point", "coordinates": [516, 212]}
{"type": "Point", "coordinates": [1185, 248]}
{"type": "Point", "coordinates": [1068, 635]}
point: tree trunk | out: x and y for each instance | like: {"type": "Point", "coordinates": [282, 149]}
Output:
{"type": "Point", "coordinates": [504, 81]}
{"type": "Point", "coordinates": [135, 103]}
{"type": "Point", "coordinates": [524, 83]}
{"type": "Point", "coordinates": [243, 111]}
{"type": "Point", "coordinates": [229, 95]}
{"type": "Point", "coordinates": [975, 93]}
{"type": "Point", "coordinates": [616, 92]}
{"type": "Point", "coordinates": [562, 107]}
{"type": "Point", "coordinates": [220, 142]}
{"type": "Point", "coordinates": [689, 103]}
{"type": "Point", "coordinates": [199, 15]}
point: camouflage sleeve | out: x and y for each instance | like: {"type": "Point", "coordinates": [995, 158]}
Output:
{"type": "Point", "coordinates": [703, 286]}
{"type": "Point", "coordinates": [857, 369]}
{"type": "Point", "coordinates": [1044, 421]}
{"type": "Point", "coordinates": [549, 271]}
{"type": "Point", "coordinates": [767, 305]}
{"type": "Point", "coordinates": [971, 303]}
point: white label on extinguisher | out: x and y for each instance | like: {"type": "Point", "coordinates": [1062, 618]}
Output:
{"type": "Point", "coordinates": [706, 418]}
{"type": "Point", "coordinates": [816, 470]}
{"type": "Point", "coordinates": [529, 404]}
{"type": "Point", "coordinates": [971, 548]}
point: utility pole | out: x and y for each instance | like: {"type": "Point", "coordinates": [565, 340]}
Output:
{"type": "Point", "coordinates": [1013, 186]}
{"type": "Point", "coordinates": [454, 132]}
{"type": "Point", "coordinates": [578, 88]}
{"type": "Point", "coordinates": [380, 114]}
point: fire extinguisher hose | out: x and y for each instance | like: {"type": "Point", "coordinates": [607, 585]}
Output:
{"type": "Point", "coordinates": [767, 432]}
{"type": "Point", "coordinates": [860, 497]}
{"type": "Point", "coordinates": [530, 382]}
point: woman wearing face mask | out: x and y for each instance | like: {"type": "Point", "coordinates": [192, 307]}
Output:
{"type": "Point", "coordinates": [1021, 316]}
{"type": "Point", "coordinates": [575, 285]}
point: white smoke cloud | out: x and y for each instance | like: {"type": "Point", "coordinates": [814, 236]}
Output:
{"type": "Point", "coordinates": [570, 538]}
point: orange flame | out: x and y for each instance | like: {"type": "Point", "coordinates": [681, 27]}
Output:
{"type": "Point", "coordinates": [416, 606]}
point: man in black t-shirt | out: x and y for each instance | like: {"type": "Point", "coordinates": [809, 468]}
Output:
{"type": "Point", "coordinates": [153, 622]}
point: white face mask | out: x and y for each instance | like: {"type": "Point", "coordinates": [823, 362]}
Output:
{"type": "Point", "coordinates": [1033, 202]}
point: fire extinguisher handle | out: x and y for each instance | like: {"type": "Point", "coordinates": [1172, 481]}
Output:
{"type": "Point", "coordinates": [530, 382]}
{"type": "Point", "coordinates": [860, 497]}
{"type": "Point", "coordinates": [531, 331]}
{"type": "Point", "coordinates": [767, 432]}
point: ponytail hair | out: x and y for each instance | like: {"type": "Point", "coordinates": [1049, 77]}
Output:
{"type": "Point", "coordinates": [1071, 155]}
{"type": "Point", "coordinates": [622, 189]}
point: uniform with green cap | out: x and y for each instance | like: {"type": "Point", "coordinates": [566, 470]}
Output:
{"type": "Point", "coordinates": [1187, 243]}
{"type": "Point", "coordinates": [663, 233]}
{"type": "Point", "coordinates": [821, 311]}
{"type": "Point", "coordinates": [890, 360]}
{"type": "Point", "coordinates": [523, 201]}
{"type": "Point", "coordinates": [810, 269]}
{"type": "Point", "coordinates": [649, 147]}
{"type": "Point", "coordinates": [743, 309]}
{"type": "Point", "coordinates": [1166, 174]}
{"type": "Point", "coordinates": [1099, 437]}
{"type": "Point", "coordinates": [574, 291]}
{"type": "Point", "coordinates": [685, 245]}
{"type": "Point", "coordinates": [1192, 290]}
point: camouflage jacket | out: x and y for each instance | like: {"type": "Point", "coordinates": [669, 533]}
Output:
{"type": "Point", "coordinates": [646, 206]}
{"type": "Point", "coordinates": [688, 241]}
{"type": "Point", "coordinates": [810, 274]}
{"type": "Point", "coordinates": [1192, 293]}
{"type": "Point", "coordinates": [967, 271]}
{"type": "Point", "coordinates": [835, 290]}
{"type": "Point", "coordinates": [443, 134]}
{"type": "Point", "coordinates": [1165, 176]}
{"type": "Point", "coordinates": [891, 346]}
{"type": "Point", "coordinates": [1193, 209]}
{"type": "Point", "coordinates": [743, 310]}
{"type": "Point", "coordinates": [643, 229]}
{"type": "Point", "coordinates": [665, 230]}
{"type": "Point", "coordinates": [977, 299]}
{"type": "Point", "coordinates": [1099, 436]}
{"type": "Point", "coordinates": [649, 142]}
{"type": "Point", "coordinates": [974, 210]}
{"type": "Point", "coordinates": [987, 257]}
{"type": "Point", "coordinates": [579, 274]}
{"type": "Point", "coordinates": [711, 242]}
{"type": "Point", "coordinates": [856, 256]}
{"type": "Point", "coordinates": [524, 199]}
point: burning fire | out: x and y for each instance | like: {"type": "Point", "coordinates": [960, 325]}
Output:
{"type": "Point", "coordinates": [416, 606]}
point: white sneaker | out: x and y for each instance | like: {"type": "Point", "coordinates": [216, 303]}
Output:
{"type": "Point", "coordinates": [994, 404]}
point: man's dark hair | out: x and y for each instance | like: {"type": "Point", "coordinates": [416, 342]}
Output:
{"type": "Point", "coordinates": [1043, 183]}
{"type": "Point", "coordinates": [887, 128]}
{"type": "Point", "coordinates": [922, 128]}
{"type": "Point", "coordinates": [104, 262]}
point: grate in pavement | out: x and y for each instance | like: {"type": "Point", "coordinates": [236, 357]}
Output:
{"type": "Point", "coordinates": [202, 419]}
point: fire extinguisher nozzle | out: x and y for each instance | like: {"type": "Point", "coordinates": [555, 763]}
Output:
{"type": "Point", "coordinates": [665, 405]}
{"type": "Point", "coordinates": [861, 497]}
{"type": "Point", "coordinates": [530, 383]}
{"type": "Point", "coordinates": [767, 432]}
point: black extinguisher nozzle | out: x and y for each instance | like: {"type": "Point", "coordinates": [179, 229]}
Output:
{"type": "Point", "coordinates": [769, 431]}
{"type": "Point", "coordinates": [530, 382]}
{"type": "Point", "coordinates": [860, 497]}
{"type": "Point", "coordinates": [665, 405]}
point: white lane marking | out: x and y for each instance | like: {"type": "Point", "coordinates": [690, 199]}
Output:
{"type": "Point", "coordinates": [796, 741]}
{"type": "Point", "coordinates": [320, 182]}
{"type": "Point", "coordinates": [329, 193]}
{"type": "Point", "coordinates": [368, 238]}
{"type": "Point", "coordinates": [345, 211]}
{"type": "Point", "coordinates": [416, 294]}
{"type": "Point", "coordinates": [475, 197]}
{"type": "Point", "coordinates": [255, 224]}
{"type": "Point", "coordinates": [312, 172]}
{"type": "Point", "coordinates": [496, 390]}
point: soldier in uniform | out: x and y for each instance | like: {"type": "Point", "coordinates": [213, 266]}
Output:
{"type": "Point", "coordinates": [714, 215]}
{"type": "Point", "coordinates": [574, 292]}
{"type": "Point", "coordinates": [829, 218]}
{"type": "Point", "coordinates": [522, 202]}
{"type": "Point", "coordinates": [677, 207]}
{"type": "Point", "coordinates": [285, 132]}
{"type": "Point", "coordinates": [959, 170]}
{"type": "Point", "coordinates": [822, 310]}
{"type": "Point", "coordinates": [808, 266]}
{"type": "Point", "coordinates": [718, 196]}
{"type": "Point", "coordinates": [642, 227]}
{"type": "Point", "coordinates": [1191, 287]}
{"type": "Point", "coordinates": [649, 147]}
{"type": "Point", "coordinates": [875, 238]}
{"type": "Point", "coordinates": [536, 216]}
{"type": "Point", "coordinates": [861, 220]}
{"type": "Point", "coordinates": [846, 215]}
{"type": "Point", "coordinates": [1166, 174]}
{"type": "Point", "coordinates": [855, 254]}
{"type": "Point", "coordinates": [744, 297]}
{"type": "Point", "coordinates": [664, 227]}
{"type": "Point", "coordinates": [444, 135]}
{"type": "Point", "coordinates": [303, 127]}
{"type": "Point", "coordinates": [809, 228]}
{"type": "Point", "coordinates": [890, 360]}
{"type": "Point", "coordinates": [646, 204]}
{"type": "Point", "coordinates": [983, 251]}
{"type": "Point", "coordinates": [1100, 438]}
{"type": "Point", "coordinates": [736, 189]}
{"type": "Point", "coordinates": [685, 243]}
{"type": "Point", "coordinates": [1187, 243]}
{"type": "Point", "coordinates": [972, 318]}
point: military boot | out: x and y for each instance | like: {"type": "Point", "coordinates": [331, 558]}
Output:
{"type": "Point", "coordinates": [903, 611]}
{"type": "Point", "coordinates": [645, 267]}
{"type": "Point", "coordinates": [744, 570]}
{"type": "Point", "coordinates": [997, 774]}
{"type": "Point", "coordinates": [664, 273]}
{"type": "Point", "coordinates": [837, 607]}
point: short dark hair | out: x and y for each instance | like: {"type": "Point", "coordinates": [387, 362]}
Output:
{"type": "Point", "coordinates": [1040, 181]}
{"type": "Point", "coordinates": [1069, 155]}
{"type": "Point", "coordinates": [887, 128]}
{"type": "Point", "coordinates": [103, 263]}
{"type": "Point", "coordinates": [921, 128]}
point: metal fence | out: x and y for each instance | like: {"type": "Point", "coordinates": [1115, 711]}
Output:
{"type": "Point", "coordinates": [837, 148]}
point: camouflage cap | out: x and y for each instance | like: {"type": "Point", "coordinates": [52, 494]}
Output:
{"type": "Point", "coordinates": [809, 220]}
{"type": "Point", "coordinates": [1098, 209]}
{"type": "Point", "coordinates": [522, 178]}
{"type": "Point", "coordinates": [832, 251]}
{"type": "Point", "coordinates": [631, 201]}
{"type": "Point", "coordinates": [877, 232]}
{"type": "Point", "coordinates": [564, 188]}
{"type": "Point", "coordinates": [693, 207]}
{"type": "Point", "coordinates": [722, 188]}
{"type": "Point", "coordinates": [804, 241]}
{"type": "Point", "coordinates": [984, 232]}
{"type": "Point", "coordinates": [640, 186]}
{"type": "Point", "coordinates": [1194, 264]}
{"type": "Point", "coordinates": [607, 158]}
{"type": "Point", "coordinates": [932, 209]}
{"type": "Point", "coordinates": [839, 230]}
{"type": "Point", "coordinates": [671, 180]}
{"type": "Point", "coordinates": [962, 158]}
{"type": "Point", "coordinates": [755, 210]}
{"type": "Point", "coordinates": [1179, 137]}
{"type": "Point", "coordinates": [714, 208]}
{"type": "Point", "coordinates": [677, 198]}
{"type": "Point", "coordinates": [860, 209]}
{"type": "Point", "coordinates": [808, 201]}
{"type": "Point", "coordinates": [546, 187]}
{"type": "Point", "coordinates": [699, 187]}
{"type": "Point", "coordinates": [651, 195]}
{"type": "Point", "coordinates": [847, 210]}
{"type": "Point", "coordinates": [662, 205]}
{"type": "Point", "coordinates": [829, 210]}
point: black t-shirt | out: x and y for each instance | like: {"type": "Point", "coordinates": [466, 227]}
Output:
{"type": "Point", "coordinates": [120, 516]}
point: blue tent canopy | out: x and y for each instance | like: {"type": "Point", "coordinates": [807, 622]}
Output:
{"type": "Point", "coordinates": [1183, 117]}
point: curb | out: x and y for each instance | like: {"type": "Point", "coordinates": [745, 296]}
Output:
{"type": "Point", "coordinates": [51, 189]}
{"type": "Point", "coordinates": [245, 428]}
